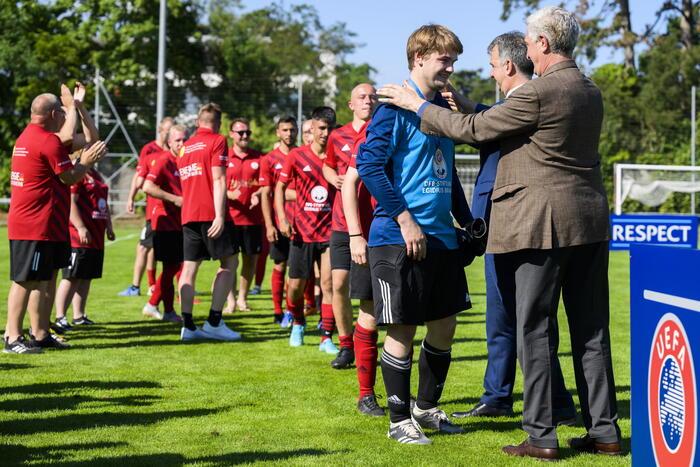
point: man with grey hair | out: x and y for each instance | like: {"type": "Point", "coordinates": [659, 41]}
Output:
{"type": "Point", "coordinates": [549, 227]}
{"type": "Point", "coordinates": [38, 221]}
{"type": "Point", "coordinates": [511, 69]}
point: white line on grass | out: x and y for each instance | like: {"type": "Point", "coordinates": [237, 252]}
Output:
{"type": "Point", "coordinates": [120, 239]}
{"type": "Point", "coordinates": [673, 300]}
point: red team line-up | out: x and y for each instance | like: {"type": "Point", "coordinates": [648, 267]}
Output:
{"type": "Point", "coordinates": [304, 206]}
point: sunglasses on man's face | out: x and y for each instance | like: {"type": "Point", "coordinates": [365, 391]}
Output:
{"type": "Point", "coordinates": [243, 133]}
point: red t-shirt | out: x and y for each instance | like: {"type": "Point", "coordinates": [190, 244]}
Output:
{"type": "Point", "coordinates": [93, 208]}
{"type": "Point", "coordinates": [338, 152]}
{"type": "Point", "coordinates": [244, 171]}
{"type": "Point", "coordinates": [204, 150]}
{"type": "Point", "coordinates": [37, 159]}
{"type": "Point", "coordinates": [270, 168]}
{"type": "Point", "coordinates": [146, 160]}
{"type": "Point", "coordinates": [312, 221]}
{"type": "Point", "coordinates": [365, 202]}
{"type": "Point", "coordinates": [165, 216]}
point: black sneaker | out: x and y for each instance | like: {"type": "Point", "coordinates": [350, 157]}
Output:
{"type": "Point", "coordinates": [21, 346]}
{"type": "Point", "coordinates": [277, 319]}
{"type": "Point", "coordinates": [51, 342]}
{"type": "Point", "coordinates": [368, 406]}
{"type": "Point", "coordinates": [345, 359]}
{"type": "Point", "coordinates": [83, 321]}
{"type": "Point", "coordinates": [61, 325]}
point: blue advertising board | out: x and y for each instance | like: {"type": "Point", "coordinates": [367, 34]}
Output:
{"type": "Point", "coordinates": [665, 336]}
{"type": "Point", "coordinates": [668, 230]}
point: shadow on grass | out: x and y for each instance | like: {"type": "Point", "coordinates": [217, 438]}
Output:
{"type": "Point", "coordinates": [14, 366]}
{"type": "Point", "coordinates": [40, 404]}
{"type": "Point", "coordinates": [16, 454]}
{"type": "Point", "coordinates": [168, 459]}
{"type": "Point", "coordinates": [72, 422]}
{"type": "Point", "coordinates": [52, 388]}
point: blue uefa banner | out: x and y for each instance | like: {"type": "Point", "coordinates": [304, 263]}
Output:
{"type": "Point", "coordinates": [665, 335]}
{"type": "Point", "coordinates": [667, 230]}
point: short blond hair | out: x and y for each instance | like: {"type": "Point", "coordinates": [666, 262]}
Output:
{"type": "Point", "coordinates": [431, 38]}
{"type": "Point", "coordinates": [209, 113]}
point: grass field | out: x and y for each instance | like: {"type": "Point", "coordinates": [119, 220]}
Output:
{"type": "Point", "coordinates": [130, 393]}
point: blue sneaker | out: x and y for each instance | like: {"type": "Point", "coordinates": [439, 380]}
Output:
{"type": "Point", "coordinates": [287, 320]}
{"type": "Point", "coordinates": [255, 290]}
{"type": "Point", "coordinates": [130, 291]}
{"type": "Point", "coordinates": [328, 346]}
{"type": "Point", "coordinates": [296, 338]}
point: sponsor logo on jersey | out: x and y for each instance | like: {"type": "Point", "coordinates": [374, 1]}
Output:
{"type": "Point", "coordinates": [254, 165]}
{"type": "Point", "coordinates": [672, 394]}
{"type": "Point", "coordinates": [319, 198]}
{"type": "Point", "coordinates": [439, 165]}
{"type": "Point", "coordinates": [193, 170]}
{"type": "Point", "coordinates": [16, 178]}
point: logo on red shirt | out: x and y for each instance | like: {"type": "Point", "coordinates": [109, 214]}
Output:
{"type": "Point", "coordinates": [195, 169]}
{"type": "Point", "coordinates": [16, 179]}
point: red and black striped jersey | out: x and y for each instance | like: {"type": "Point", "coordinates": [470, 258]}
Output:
{"type": "Point", "coordinates": [91, 198]}
{"type": "Point", "coordinates": [312, 220]}
{"type": "Point", "coordinates": [271, 166]}
{"type": "Point", "coordinates": [338, 153]}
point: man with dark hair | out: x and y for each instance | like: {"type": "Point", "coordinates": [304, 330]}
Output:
{"type": "Point", "coordinates": [270, 169]}
{"type": "Point", "coordinates": [310, 229]}
{"type": "Point", "coordinates": [243, 193]}
{"type": "Point", "coordinates": [417, 277]}
{"type": "Point", "coordinates": [144, 248]}
{"type": "Point", "coordinates": [510, 68]}
{"type": "Point", "coordinates": [206, 226]}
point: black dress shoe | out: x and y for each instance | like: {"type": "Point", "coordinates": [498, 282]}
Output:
{"type": "Point", "coordinates": [587, 444]}
{"type": "Point", "coordinates": [483, 410]}
{"type": "Point", "coordinates": [525, 449]}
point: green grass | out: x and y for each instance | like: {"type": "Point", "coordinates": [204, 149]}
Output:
{"type": "Point", "coordinates": [129, 393]}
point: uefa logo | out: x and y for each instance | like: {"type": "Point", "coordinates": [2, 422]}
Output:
{"type": "Point", "coordinates": [672, 394]}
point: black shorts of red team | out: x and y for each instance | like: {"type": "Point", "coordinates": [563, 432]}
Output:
{"type": "Point", "coordinates": [37, 260]}
{"type": "Point", "coordinates": [85, 263]}
{"type": "Point", "coordinates": [198, 246]}
{"type": "Point", "coordinates": [360, 276]}
{"type": "Point", "coordinates": [413, 292]}
{"type": "Point", "coordinates": [279, 250]}
{"type": "Point", "coordinates": [302, 257]}
{"type": "Point", "coordinates": [247, 239]}
{"type": "Point", "coordinates": [166, 221]}
{"type": "Point", "coordinates": [146, 237]}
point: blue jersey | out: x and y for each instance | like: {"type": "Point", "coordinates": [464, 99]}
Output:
{"type": "Point", "coordinates": [404, 168]}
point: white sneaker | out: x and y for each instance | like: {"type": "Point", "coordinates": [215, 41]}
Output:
{"type": "Point", "coordinates": [220, 332]}
{"type": "Point", "coordinates": [188, 335]}
{"type": "Point", "coordinates": [151, 311]}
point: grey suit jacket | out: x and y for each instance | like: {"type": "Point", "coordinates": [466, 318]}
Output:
{"type": "Point", "coordinates": [548, 191]}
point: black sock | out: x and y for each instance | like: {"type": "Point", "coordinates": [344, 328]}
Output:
{"type": "Point", "coordinates": [214, 317]}
{"type": "Point", "coordinates": [433, 364]}
{"type": "Point", "coordinates": [188, 321]}
{"type": "Point", "coordinates": [136, 286]}
{"type": "Point", "coordinates": [397, 382]}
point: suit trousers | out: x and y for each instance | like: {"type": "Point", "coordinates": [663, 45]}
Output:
{"type": "Point", "coordinates": [501, 343]}
{"type": "Point", "coordinates": [580, 275]}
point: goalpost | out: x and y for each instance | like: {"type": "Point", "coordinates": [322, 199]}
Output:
{"type": "Point", "coordinates": [652, 185]}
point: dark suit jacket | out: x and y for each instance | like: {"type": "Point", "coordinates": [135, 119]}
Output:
{"type": "Point", "coordinates": [489, 153]}
{"type": "Point", "coordinates": [548, 191]}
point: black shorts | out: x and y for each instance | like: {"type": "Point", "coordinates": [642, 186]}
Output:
{"type": "Point", "coordinates": [360, 281]}
{"type": "Point", "coordinates": [146, 239]}
{"type": "Point", "coordinates": [302, 257]}
{"type": "Point", "coordinates": [413, 292]}
{"type": "Point", "coordinates": [340, 250]}
{"type": "Point", "coordinates": [198, 246]}
{"type": "Point", "coordinates": [247, 239]}
{"type": "Point", "coordinates": [85, 263]}
{"type": "Point", "coordinates": [279, 250]}
{"type": "Point", "coordinates": [167, 246]}
{"type": "Point", "coordinates": [36, 260]}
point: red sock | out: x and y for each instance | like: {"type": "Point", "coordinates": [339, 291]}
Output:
{"type": "Point", "coordinates": [157, 294]}
{"type": "Point", "coordinates": [151, 276]}
{"type": "Point", "coordinates": [297, 310]}
{"type": "Point", "coordinates": [277, 286]}
{"type": "Point", "coordinates": [327, 321]}
{"type": "Point", "coordinates": [366, 359]}
{"type": "Point", "coordinates": [346, 342]}
{"type": "Point", "coordinates": [309, 297]}
{"type": "Point", "coordinates": [262, 262]}
{"type": "Point", "coordinates": [165, 284]}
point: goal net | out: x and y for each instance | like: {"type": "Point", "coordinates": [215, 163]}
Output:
{"type": "Point", "coordinates": [654, 186]}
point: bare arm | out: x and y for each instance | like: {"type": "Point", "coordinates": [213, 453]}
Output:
{"type": "Point", "coordinates": [285, 227]}
{"type": "Point", "coordinates": [67, 132]}
{"type": "Point", "coordinates": [110, 229]}
{"type": "Point", "coordinates": [332, 177]}
{"type": "Point", "coordinates": [77, 221]}
{"type": "Point", "coordinates": [219, 188]}
{"type": "Point", "coordinates": [155, 191]}
{"type": "Point", "coordinates": [266, 202]}
{"type": "Point", "coordinates": [290, 195]}
{"type": "Point", "coordinates": [358, 244]}
{"type": "Point", "coordinates": [90, 133]}
{"type": "Point", "coordinates": [87, 159]}
{"type": "Point", "coordinates": [136, 184]}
